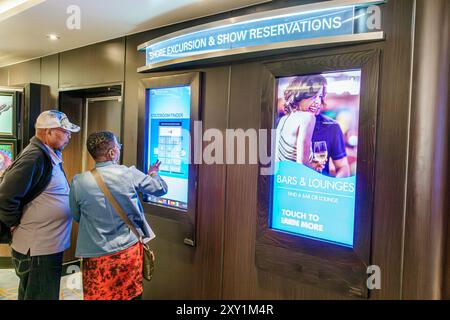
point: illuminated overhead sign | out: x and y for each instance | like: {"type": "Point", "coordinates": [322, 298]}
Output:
{"type": "Point", "coordinates": [330, 22]}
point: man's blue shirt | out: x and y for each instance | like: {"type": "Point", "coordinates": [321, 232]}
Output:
{"type": "Point", "coordinates": [101, 230]}
{"type": "Point", "coordinates": [328, 130]}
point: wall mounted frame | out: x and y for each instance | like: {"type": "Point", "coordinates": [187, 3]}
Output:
{"type": "Point", "coordinates": [187, 218]}
{"type": "Point", "coordinates": [8, 113]}
{"type": "Point", "coordinates": [103, 91]}
{"type": "Point", "coordinates": [210, 42]}
{"type": "Point", "coordinates": [306, 260]}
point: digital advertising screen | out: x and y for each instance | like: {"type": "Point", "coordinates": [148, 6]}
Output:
{"type": "Point", "coordinates": [168, 141]}
{"type": "Point", "coordinates": [314, 183]}
{"type": "Point", "coordinates": [6, 114]}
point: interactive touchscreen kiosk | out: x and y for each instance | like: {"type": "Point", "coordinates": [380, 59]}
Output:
{"type": "Point", "coordinates": [314, 184]}
{"type": "Point", "coordinates": [8, 111]}
{"type": "Point", "coordinates": [168, 141]}
{"type": "Point", "coordinates": [168, 109]}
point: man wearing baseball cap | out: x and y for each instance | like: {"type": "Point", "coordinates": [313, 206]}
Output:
{"type": "Point", "coordinates": [34, 203]}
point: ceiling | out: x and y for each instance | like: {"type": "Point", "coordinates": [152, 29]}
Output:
{"type": "Point", "coordinates": [26, 24]}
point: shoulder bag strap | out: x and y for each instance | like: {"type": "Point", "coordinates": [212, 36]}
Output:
{"type": "Point", "coordinates": [101, 184]}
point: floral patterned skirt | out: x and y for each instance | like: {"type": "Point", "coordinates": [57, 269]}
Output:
{"type": "Point", "coordinates": [117, 276]}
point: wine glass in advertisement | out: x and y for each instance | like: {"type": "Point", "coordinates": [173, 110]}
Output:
{"type": "Point", "coordinates": [320, 152]}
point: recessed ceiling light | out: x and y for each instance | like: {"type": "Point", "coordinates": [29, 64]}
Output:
{"type": "Point", "coordinates": [53, 37]}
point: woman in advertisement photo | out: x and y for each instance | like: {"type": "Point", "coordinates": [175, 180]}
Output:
{"type": "Point", "coordinates": [295, 128]}
{"type": "Point", "coordinates": [304, 134]}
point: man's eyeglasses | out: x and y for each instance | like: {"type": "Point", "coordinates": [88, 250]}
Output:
{"type": "Point", "coordinates": [66, 132]}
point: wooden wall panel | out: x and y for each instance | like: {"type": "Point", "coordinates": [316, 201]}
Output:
{"type": "Point", "coordinates": [50, 77]}
{"type": "Point", "coordinates": [426, 211]}
{"type": "Point", "coordinates": [4, 76]}
{"type": "Point", "coordinates": [95, 64]}
{"type": "Point", "coordinates": [228, 235]}
{"type": "Point", "coordinates": [392, 138]}
{"type": "Point", "coordinates": [25, 72]}
{"type": "Point", "coordinates": [73, 108]}
{"type": "Point", "coordinates": [196, 272]}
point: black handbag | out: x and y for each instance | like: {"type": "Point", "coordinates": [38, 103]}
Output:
{"type": "Point", "coordinates": [5, 231]}
{"type": "Point", "coordinates": [148, 266]}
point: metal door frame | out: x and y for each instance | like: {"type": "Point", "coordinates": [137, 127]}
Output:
{"type": "Point", "coordinates": [85, 124]}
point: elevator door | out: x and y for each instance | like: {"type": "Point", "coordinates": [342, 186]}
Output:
{"type": "Point", "coordinates": [101, 114]}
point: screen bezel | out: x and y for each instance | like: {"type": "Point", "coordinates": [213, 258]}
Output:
{"type": "Point", "coordinates": [13, 144]}
{"type": "Point", "coordinates": [345, 267]}
{"type": "Point", "coordinates": [187, 217]}
{"type": "Point", "coordinates": [13, 134]}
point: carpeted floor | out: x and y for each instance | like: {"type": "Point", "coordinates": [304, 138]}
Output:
{"type": "Point", "coordinates": [71, 288]}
